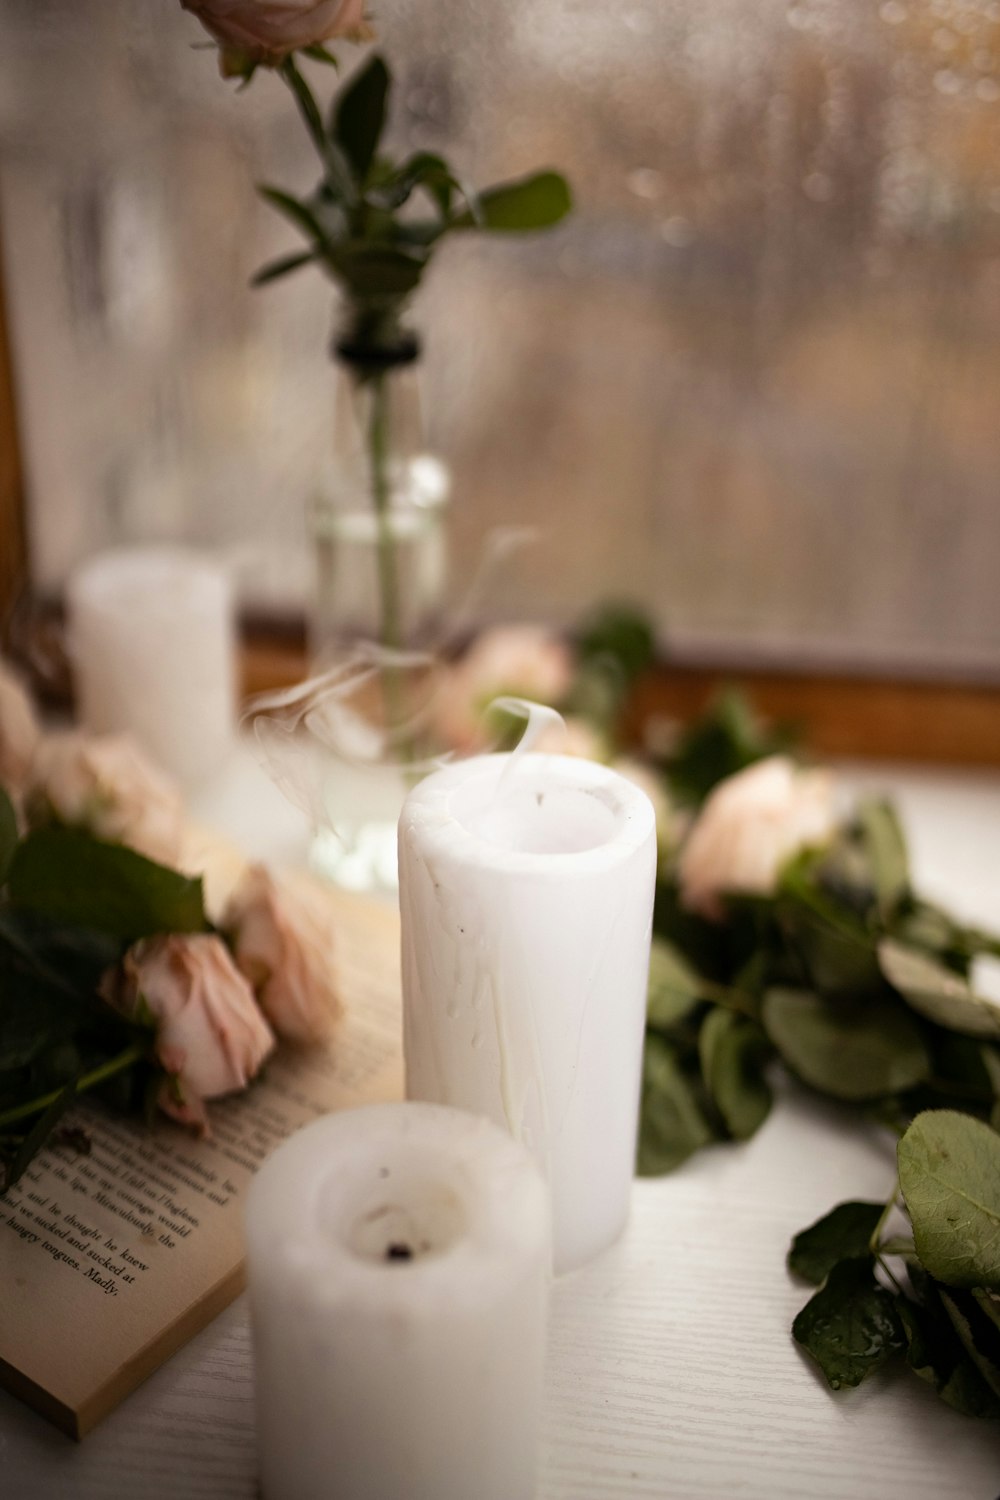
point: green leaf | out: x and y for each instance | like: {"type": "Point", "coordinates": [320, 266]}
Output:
{"type": "Point", "coordinates": [842, 1234]}
{"type": "Point", "coordinates": [622, 634]}
{"type": "Point", "coordinates": [535, 202]}
{"type": "Point", "coordinates": [8, 834]}
{"type": "Point", "coordinates": [726, 739]}
{"type": "Point", "coordinates": [838, 954]}
{"type": "Point", "coordinates": [935, 1354]}
{"type": "Point", "coordinates": [72, 878]}
{"type": "Point", "coordinates": [360, 113]}
{"type": "Point", "coordinates": [282, 267]}
{"type": "Point", "coordinates": [17, 1155]}
{"type": "Point", "coordinates": [949, 1175]}
{"type": "Point", "coordinates": [672, 1125]}
{"type": "Point", "coordinates": [377, 270]}
{"type": "Point", "coordinates": [300, 214]}
{"type": "Point", "coordinates": [885, 845]}
{"type": "Point", "coordinates": [422, 170]}
{"type": "Point", "coordinates": [937, 992]}
{"type": "Point", "coordinates": [854, 1053]}
{"type": "Point", "coordinates": [674, 986]}
{"type": "Point", "coordinates": [733, 1050]}
{"type": "Point", "coordinates": [851, 1326]}
{"type": "Point", "coordinates": [318, 53]}
{"type": "Point", "coordinates": [977, 1333]}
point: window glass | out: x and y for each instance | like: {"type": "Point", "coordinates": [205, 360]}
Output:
{"type": "Point", "coordinates": [754, 384]}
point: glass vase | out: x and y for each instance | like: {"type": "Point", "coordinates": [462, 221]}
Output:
{"type": "Point", "coordinates": [379, 531]}
{"type": "Point", "coordinates": [379, 516]}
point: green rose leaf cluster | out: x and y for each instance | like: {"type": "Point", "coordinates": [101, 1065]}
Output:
{"type": "Point", "coordinates": [70, 906]}
{"type": "Point", "coordinates": [842, 974]}
{"type": "Point", "coordinates": [932, 1300]}
{"type": "Point", "coordinates": [374, 221]}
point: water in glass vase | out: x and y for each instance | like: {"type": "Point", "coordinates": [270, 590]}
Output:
{"type": "Point", "coordinates": [381, 572]}
{"type": "Point", "coordinates": [347, 543]}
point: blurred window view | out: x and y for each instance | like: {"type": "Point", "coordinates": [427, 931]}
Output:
{"type": "Point", "coordinates": [754, 384]}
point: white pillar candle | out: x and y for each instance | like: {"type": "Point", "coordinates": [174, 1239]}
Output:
{"type": "Point", "coordinates": [399, 1259]}
{"type": "Point", "coordinates": [151, 639]}
{"type": "Point", "coordinates": [526, 891]}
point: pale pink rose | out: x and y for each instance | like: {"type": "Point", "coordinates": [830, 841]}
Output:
{"type": "Point", "coordinates": [750, 826]}
{"type": "Point", "coordinates": [517, 661]}
{"type": "Point", "coordinates": [106, 785]}
{"type": "Point", "coordinates": [19, 731]}
{"type": "Point", "coordinates": [572, 737]}
{"type": "Point", "coordinates": [646, 779]}
{"type": "Point", "coordinates": [283, 942]}
{"type": "Point", "coordinates": [266, 31]}
{"type": "Point", "coordinates": [210, 1035]}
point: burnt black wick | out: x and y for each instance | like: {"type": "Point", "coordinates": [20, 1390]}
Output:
{"type": "Point", "coordinates": [398, 1251]}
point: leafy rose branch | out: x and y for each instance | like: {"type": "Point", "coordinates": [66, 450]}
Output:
{"type": "Point", "coordinates": [372, 224]}
{"type": "Point", "coordinates": [114, 981]}
{"type": "Point", "coordinates": [823, 958]}
{"type": "Point", "coordinates": [939, 1309]}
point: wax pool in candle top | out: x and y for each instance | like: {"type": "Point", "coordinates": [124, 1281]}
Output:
{"type": "Point", "coordinates": [399, 1260]}
{"type": "Point", "coordinates": [524, 811]}
{"type": "Point", "coordinates": [526, 893]}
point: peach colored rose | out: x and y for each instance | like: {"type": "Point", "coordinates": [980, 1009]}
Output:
{"type": "Point", "coordinates": [210, 1035]}
{"type": "Point", "coordinates": [283, 943]}
{"type": "Point", "coordinates": [266, 31]}
{"type": "Point", "coordinates": [518, 661]}
{"type": "Point", "coordinates": [752, 824]}
{"type": "Point", "coordinates": [19, 731]}
{"type": "Point", "coordinates": [106, 785]}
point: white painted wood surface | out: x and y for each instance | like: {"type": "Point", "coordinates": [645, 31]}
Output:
{"type": "Point", "coordinates": [672, 1373]}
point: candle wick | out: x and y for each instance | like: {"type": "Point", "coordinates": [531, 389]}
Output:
{"type": "Point", "coordinates": [398, 1251]}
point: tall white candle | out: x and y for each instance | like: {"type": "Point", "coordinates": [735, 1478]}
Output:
{"type": "Point", "coordinates": [399, 1259]}
{"type": "Point", "coordinates": [526, 891]}
{"type": "Point", "coordinates": [151, 639]}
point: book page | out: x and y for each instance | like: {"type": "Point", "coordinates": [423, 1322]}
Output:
{"type": "Point", "coordinates": [112, 1257]}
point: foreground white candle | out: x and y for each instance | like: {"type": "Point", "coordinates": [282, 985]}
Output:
{"type": "Point", "coordinates": [526, 893]}
{"type": "Point", "coordinates": [151, 638]}
{"type": "Point", "coordinates": [399, 1258]}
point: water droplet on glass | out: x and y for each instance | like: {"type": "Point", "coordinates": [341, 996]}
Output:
{"type": "Point", "coordinates": [478, 1040]}
{"type": "Point", "coordinates": [677, 231]}
{"type": "Point", "coordinates": [452, 1012]}
{"type": "Point", "coordinates": [947, 81]}
{"type": "Point", "coordinates": [645, 182]}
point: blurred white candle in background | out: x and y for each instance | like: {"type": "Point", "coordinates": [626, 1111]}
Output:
{"type": "Point", "coordinates": [399, 1260]}
{"type": "Point", "coordinates": [152, 645]}
{"type": "Point", "coordinates": [526, 891]}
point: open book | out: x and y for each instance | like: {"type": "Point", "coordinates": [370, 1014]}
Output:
{"type": "Point", "coordinates": [113, 1257]}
